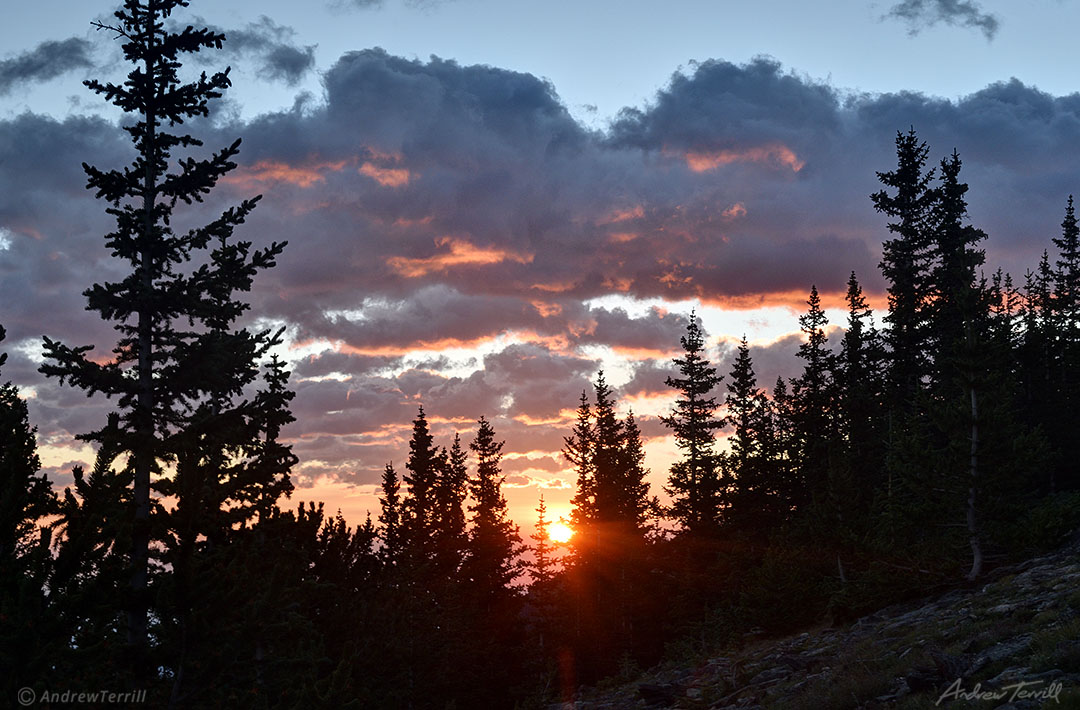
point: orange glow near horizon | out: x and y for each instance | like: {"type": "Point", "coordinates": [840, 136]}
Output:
{"type": "Point", "coordinates": [560, 532]}
{"type": "Point", "coordinates": [775, 154]}
{"type": "Point", "coordinates": [794, 299]}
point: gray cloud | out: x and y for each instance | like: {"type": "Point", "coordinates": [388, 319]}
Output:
{"type": "Point", "coordinates": [271, 46]}
{"type": "Point", "coordinates": [46, 61]}
{"type": "Point", "coordinates": [919, 14]}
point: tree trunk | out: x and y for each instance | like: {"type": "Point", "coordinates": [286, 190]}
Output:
{"type": "Point", "coordinates": [973, 531]}
{"type": "Point", "coordinates": [143, 453]}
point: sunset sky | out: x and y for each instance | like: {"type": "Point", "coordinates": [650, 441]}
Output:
{"type": "Point", "coordinates": [488, 201]}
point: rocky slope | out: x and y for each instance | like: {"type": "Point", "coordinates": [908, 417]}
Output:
{"type": "Point", "coordinates": [1011, 643]}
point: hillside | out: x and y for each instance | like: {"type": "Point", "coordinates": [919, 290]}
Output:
{"type": "Point", "coordinates": [1011, 642]}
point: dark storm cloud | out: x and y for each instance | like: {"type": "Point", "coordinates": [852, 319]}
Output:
{"type": "Point", "coordinates": [270, 45]}
{"type": "Point", "coordinates": [46, 61]}
{"type": "Point", "coordinates": [920, 14]}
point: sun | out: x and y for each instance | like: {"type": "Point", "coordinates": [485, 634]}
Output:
{"type": "Point", "coordinates": [560, 532]}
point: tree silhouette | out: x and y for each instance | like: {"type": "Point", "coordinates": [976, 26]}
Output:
{"type": "Point", "coordinates": [26, 501]}
{"type": "Point", "coordinates": [179, 360]}
{"type": "Point", "coordinates": [694, 481]}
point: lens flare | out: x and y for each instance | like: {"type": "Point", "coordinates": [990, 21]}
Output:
{"type": "Point", "coordinates": [560, 532]}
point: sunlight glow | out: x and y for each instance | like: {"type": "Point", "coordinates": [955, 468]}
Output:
{"type": "Point", "coordinates": [560, 532]}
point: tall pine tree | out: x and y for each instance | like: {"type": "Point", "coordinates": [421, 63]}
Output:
{"type": "Point", "coordinates": [171, 320]}
{"type": "Point", "coordinates": [694, 481]}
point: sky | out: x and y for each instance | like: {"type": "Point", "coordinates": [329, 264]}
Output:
{"type": "Point", "coordinates": [488, 202]}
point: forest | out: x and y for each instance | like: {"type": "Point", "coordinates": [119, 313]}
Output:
{"type": "Point", "coordinates": [908, 456]}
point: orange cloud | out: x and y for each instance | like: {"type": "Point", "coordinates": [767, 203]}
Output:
{"type": "Point", "coordinates": [461, 253]}
{"type": "Point", "coordinates": [640, 353]}
{"type": "Point", "coordinates": [387, 177]}
{"type": "Point", "coordinates": [557, 287]}
{"type": "Point", "coordinates": [434, 346]}
{"type": "Point", "coordinates": [563, 417]}
{"type": "Point", "coordinates": [736, 210]}
{"type": "Point", "coordinates": [303, 175]}
{"type": "Point", "coordinates": [622, 237]}
{"type": "Point", "coordinates": [775, 154]}
{"type": "Point", "coordinates": [546, 309]}
{"type": "Point", "coordinates": [635, 212]}
{"type": "Point", "coordinates": [795, 300]}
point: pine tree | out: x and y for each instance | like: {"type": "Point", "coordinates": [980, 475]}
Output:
{"type": "Point", "coordinates": [578, 451]}
{"type": "Point", "coordinates": [418, 521]}
{"type": "Point", "coordinates": [860, 413]}
{"type": "Point", "coordinates": [542, 568]}
{"type": "Point", "coordinates": [693, 482]}
{"type": "Point", "coordinates": [1066, 299]}
{"type": "Point", "coordinates": [390, 517]}
{"type": "Point", "coordinates": [753, 504]}
{"type": "Point", "coordinates": [905, 264]}
{"type": "Point", "coordinates": [609, 517]}
{"type": "Point", "coordinates": [171, 323]}
{"type": "Point", "coordinates": [814, 399]}
{"type": "Point", "coordinates": [494, 542]}
{"type": "Point", "coordinates": [26, 502]}
{"type": "Point", "coordinates": [449, 500]}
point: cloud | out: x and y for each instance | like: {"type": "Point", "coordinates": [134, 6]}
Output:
{"type": "Point", "coordinates": [271, 46]}
{"type": "Point", "coordinates": [920, 14]}
{"type": "Point", "coordinates": [452, 228]}
{"type": "Point", "coordinates": [46, 61]}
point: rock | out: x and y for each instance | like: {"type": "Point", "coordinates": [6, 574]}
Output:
{"type": "Point", "coordinates": [1009, 675]}
{"type": "Point", "coordinates": [1002, 609]}
{"type": "Point", "coordinates": [1001, 651]}
{"type": "Point", "coordinates": [656, 694]}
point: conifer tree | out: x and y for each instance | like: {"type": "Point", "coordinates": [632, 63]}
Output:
{"type": "Point", "coordinates": [905, 264]}
{"type": "Point", "coordinates": [418, 520]}
{"type": "Point", "coordinates": [390, 517]}
{"type": "Point", "coordinates": [494, 542]}
{"type": "Point", "coordinates": [609, 518]}
{"type": "Point", "coordinates": [578, 451]}
{"type": "Point", "coordinates": [1067, 353]}
{"type": "Point", "coordinates": [26, 501]}
{"type": "Point", "coordinates": [171, 322]}
{"type": "Point", "coordinates": [814, 399]}
{"type": "Point", "coordinates": [449, 500]}
{"type": "Point", "coordinates": [859, 388]}
{"type": "Point", "coordinates": [753, 496]}
{"type": "Point", "coordinates": [542, 568]}
{"type": "Point", "coordinates": [694, 481]}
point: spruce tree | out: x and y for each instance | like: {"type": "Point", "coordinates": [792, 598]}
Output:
{"type": "Point", "coordinates": [418, 519]}
{"type": "Point", "coordinates": [1067, 350]}
{"type": "Point", "coordinates": [26, 502]}
{"type": "Point", "coordinates": [814, 399]}
{"type": "Point", "coordinates": [172, 319]}
{"type": "Point", "coordinates": [449, 501]}
{"type": "Point", "coordinates": [753, 500]}
{"type": "Point", "coordinates": [494, 547]}
{"type": "Point", "coordinates": [694, 481]}
{"type": "Point", "coordinates": [860, 410]}
{"type": "Point", "coordinates": [390, 517]}
{"type": "Point", "coordinates": [907, 201]}
{"type": "Point", "coordinates": [542, 567]}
